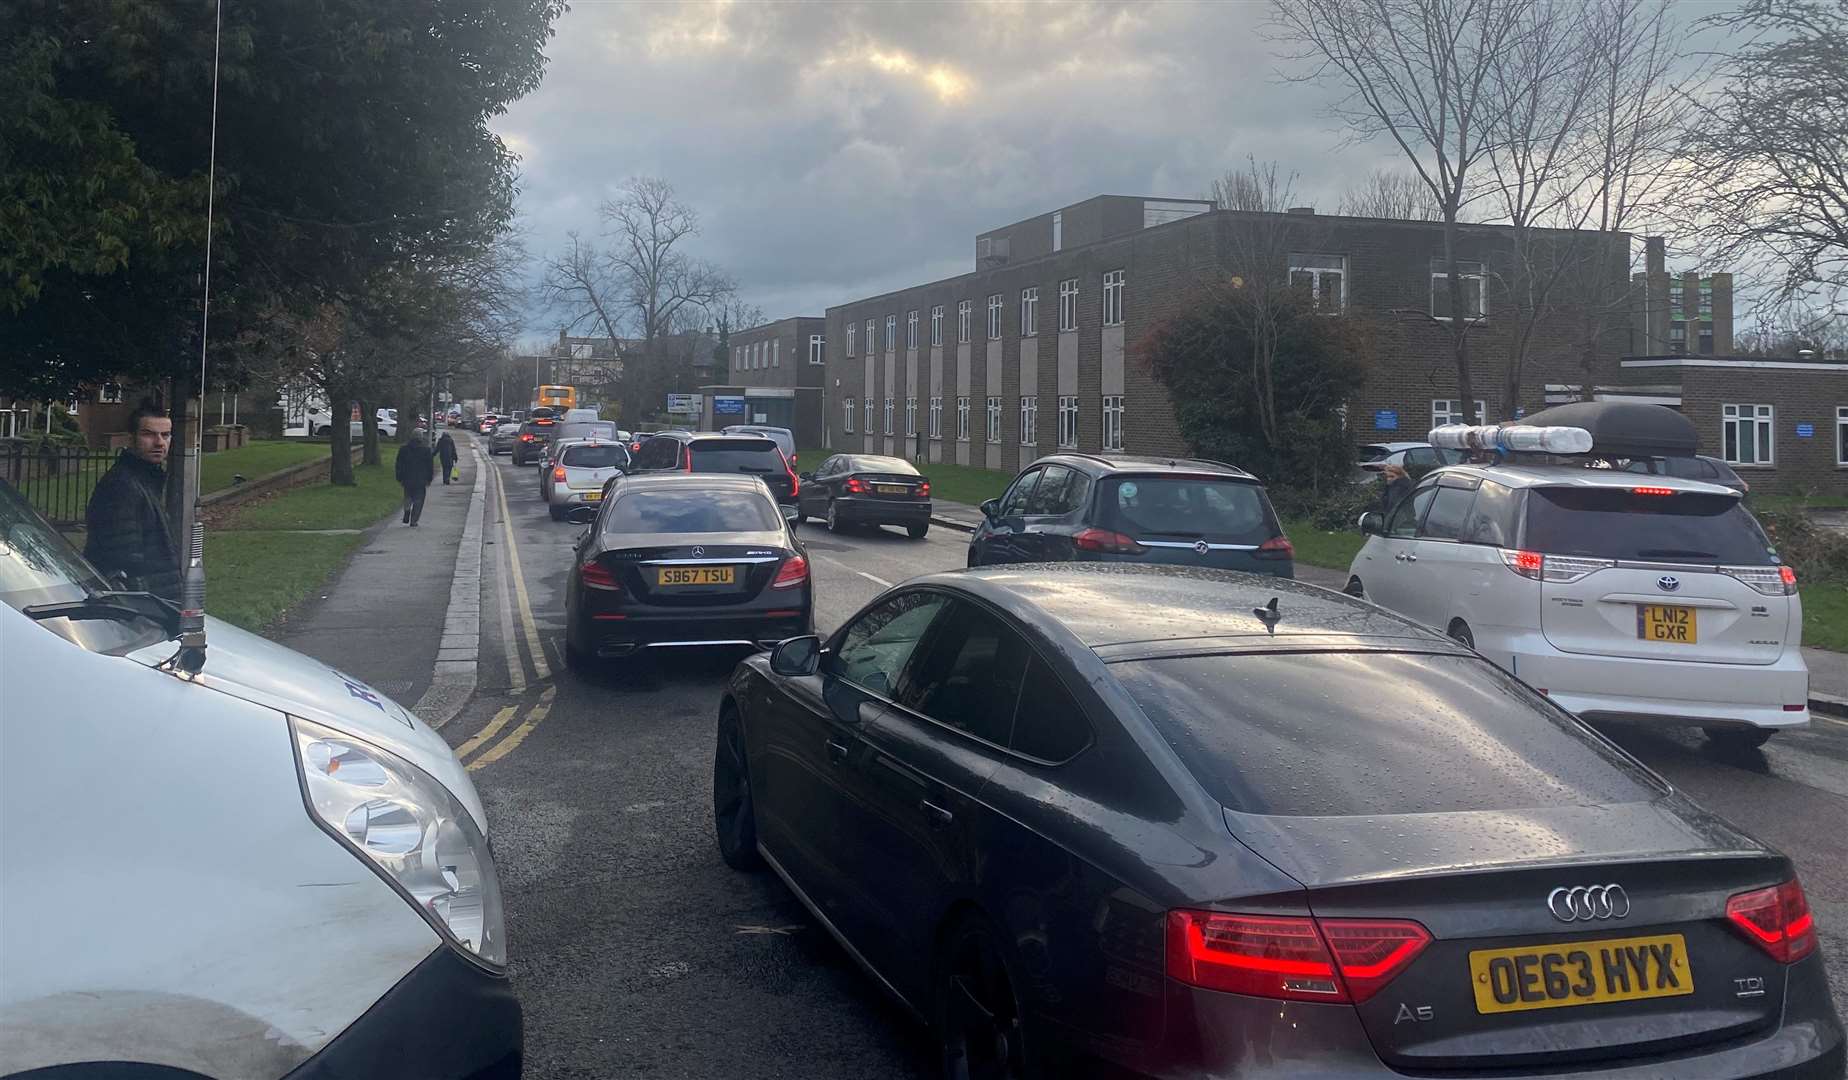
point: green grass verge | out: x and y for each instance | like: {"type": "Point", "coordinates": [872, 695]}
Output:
{"type": "Point", "coordinates": [950, 483]}
{"type": "Point", "coordinates": [1825, 615]}
{"type": "Point", "coordinates": [1790, 504]}
{"type": "Point", "coordinates": [256, 575]}
{"type": "Point", "coordinates": [254, 460]}
{"type": "Point", "coordinates": [325, 506]}
{"type": "Point", "coordinates": [1319, 547]}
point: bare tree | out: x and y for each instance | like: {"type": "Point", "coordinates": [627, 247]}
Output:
{"type": "Point", "coordinates": [1419, 73]}
{"type": "Point", "coordinates": [1254, 187]}
{"type": "Point", "coordinates": [1387, 193]}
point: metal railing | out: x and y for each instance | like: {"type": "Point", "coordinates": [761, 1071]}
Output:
{"type": "Point", "coordinates": [57, 480]}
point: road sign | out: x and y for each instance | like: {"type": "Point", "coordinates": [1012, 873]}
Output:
{"type": "Point", "coordinates": [723, 405]}
{"type": "Point", "coordinates": [683, 403]}
{"type": "Point", "coordinates": [1806, 431]}
{"type": "Point", "coordinates": [1386, 419]}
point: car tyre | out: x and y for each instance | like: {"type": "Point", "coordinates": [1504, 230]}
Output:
{"type": "Point", "coordinates": [1460, 633]}
{"type": "Point", "coordinates": [1355, 589]}
{"type": "Point", "coordinates": [1734, 740]}
{"type": "Point", "coordinates": [557, 512]}
{"type": "Point", "coordinates": [917, 532]}
{"type": "Point", "coordinates": [976, 1015]}
{"type": "Point", "coordinates": [835, 524]}
{"type": "Point", "coordinates": [734, 817]}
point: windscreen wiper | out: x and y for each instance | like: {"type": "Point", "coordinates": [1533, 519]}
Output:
{"type": "Point", "coordinates": [1678, 553]}
{"type": "Point", "coordinates": [109, 606]}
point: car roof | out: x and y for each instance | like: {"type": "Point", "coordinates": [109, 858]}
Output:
{"type": "Point", "coordinates": [643, 481]}
{"type": "Point", "coordinates": [1575, 476]}
{"type": "Point", "coordinates": [1142, 465]}
{"type": "Point", "coordinates": [707, 436]}
{"type": "Point", "coordinates": [1126, 611]}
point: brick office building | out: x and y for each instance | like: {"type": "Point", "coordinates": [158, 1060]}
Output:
{"type": "Point", "coordinates": [1035, 349]}
{"type": "Point", "coordinates": [775, 378]}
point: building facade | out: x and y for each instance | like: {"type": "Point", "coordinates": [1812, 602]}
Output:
{"type": "Point", "coordinates": [775, 377]}
{"type": "Point", "coordinates": [1036, 349]}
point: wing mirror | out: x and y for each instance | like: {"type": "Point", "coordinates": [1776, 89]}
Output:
{"type": "Point", "coordinates": [805, 477]}
{"type": "Point", "coordinates": [1371, 523]}
{"type": "Point", "coordinates": [796, 656]}
{"type": "Point", "coordinates": [581, 515]}
{"type": "Point", "coordinates": [991, 509]}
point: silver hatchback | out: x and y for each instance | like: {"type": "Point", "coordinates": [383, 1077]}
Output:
{"type": "Point", "coordinates": [578, 473]}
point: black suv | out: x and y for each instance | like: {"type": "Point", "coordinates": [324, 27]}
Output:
{"type": "Point", "coordinates": [704, 452]}
{"type": "Point", "coordinates": [1083, 507]}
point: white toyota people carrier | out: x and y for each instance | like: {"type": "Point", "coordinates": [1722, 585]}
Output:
{"type": "Point", "coordinates": [1617, 594]}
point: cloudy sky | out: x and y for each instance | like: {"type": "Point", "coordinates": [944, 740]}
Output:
{"type": "Point", "coordinates": [836, 150]}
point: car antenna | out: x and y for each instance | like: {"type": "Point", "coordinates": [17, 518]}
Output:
{"type": "Point", "coordinates": [1269, 615]}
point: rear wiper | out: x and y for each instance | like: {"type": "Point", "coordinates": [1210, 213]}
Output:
{"type": "Point", "coordinates": [1664, 553]}
{"type": "Point", "coordinates": [110, 606]}
{"type": "Point", "coordinates": [754, 469]}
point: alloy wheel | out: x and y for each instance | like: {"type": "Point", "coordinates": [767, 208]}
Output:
{"type": "Point", "coordinates": [982, 1035]}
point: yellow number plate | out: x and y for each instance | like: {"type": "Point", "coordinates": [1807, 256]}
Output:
{"type": "Point", "coordinates": [1666, 622]}
{"type": "Point", "coordinates": [593, 496]}
{"type": "Point", "coordinates": [891, 489]}
{"type": "Point", "coordinates": [695, 575]}
{"type": "Point", "coordinates": [1581, 973]}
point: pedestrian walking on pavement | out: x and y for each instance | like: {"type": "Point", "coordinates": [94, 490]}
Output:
{"type": "Point", "coordinates": [127, 518]}
{"type": "Point", "coordinates": [446, 453]}
{"type": "Point", "coordinates": [414, 474]}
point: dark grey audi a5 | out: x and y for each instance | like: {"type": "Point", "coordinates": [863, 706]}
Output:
{"type": "Point", "coordinates": [1102, 820]}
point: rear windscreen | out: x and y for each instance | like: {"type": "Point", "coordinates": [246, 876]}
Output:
{"type": "Point", "coordinates": [1187, 507]}
{"type": "Point", "coordinates": [1615, 523]}
{"type": "Point", "coordinates": [733, 455]}
{"type": "Point", "coordinates": [586, 429]}
{"type": "Point", "coordinates": [595, 457]}
{"type": "Point", "coordinates": [891, 465]}
{"type": "Point", "coordinates": [1301, 734]}
{"type": "Point", "coordinates": [692, 511]}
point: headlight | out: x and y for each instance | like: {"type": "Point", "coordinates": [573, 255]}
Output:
{"type": "Point", "coordinates": [408, 826]}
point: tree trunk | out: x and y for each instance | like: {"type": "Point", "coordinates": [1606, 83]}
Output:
{"type": "Point", "coordinates": [340, 443]}
{"type": "Point", "coordinates": [1459, 323]}
{"type": "Point", "coordinates": [369, 428]}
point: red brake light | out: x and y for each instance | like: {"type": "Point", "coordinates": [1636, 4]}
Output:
{"type": "Point", "coordinates": [1777, 920]}
{"type": "Point", "coordinates": [1789, 576]}
{"type": "Point", "coordinates": [594, 575]}
{"type": "Point", "coordinates": [1528, 564]}
{"type": "Point", "coordinates": [795, 482]}
{"type": "Point", "coordinates": [854, 486]}
{"type": "Point", "coordinates": [1277, 547]}
{"type": "Point", "coordinates": [792, 573]}
{"type": "Point", "coordinates": [1295, 958]}
{"type": "Point", "coordinates": [1651, 491]}
{"type": "Point", "coordinates": [1107, 542]}
{"type": "Point", "coordinates": [634, 446]}
{"type": "Point", "coordinates": [924, 490]}
{"type": "Point", "coordinates": [558, 474]}
{"type": "Point", "coordinates": [526, 436]}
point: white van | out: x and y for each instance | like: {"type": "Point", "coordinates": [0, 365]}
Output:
{"type": "Point", "coordinates": [264, 869]}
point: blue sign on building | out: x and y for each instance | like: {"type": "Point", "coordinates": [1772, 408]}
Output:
{"type": "Point", "coordinates": [1806, 431]}
{"type": "Point", "coordinates": [727, 406]}
{"type": "Point", "coordinates": [1386, 419]}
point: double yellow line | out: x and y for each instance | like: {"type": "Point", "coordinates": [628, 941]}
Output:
{"type": "Point", "coordinates": [535, 715]}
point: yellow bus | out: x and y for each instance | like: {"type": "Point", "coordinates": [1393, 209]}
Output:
{"type": "Point", "coordinates": [555, 397]}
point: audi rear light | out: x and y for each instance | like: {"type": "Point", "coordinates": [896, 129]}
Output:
{"type": "Point", "coordinates": [595, 575]}
{"type": "Point", "coordinates": [1777, 920]}
{"type": "Point", "coordinates": [792, 573]}
{"type": "Point", "coordinates": [1277, 547]}
{"type": "Point", "coordinates": [1528, 564]}
{"type": "Point", "coordinates": [854, 486]}
{"type": "Point", "coordinates": [1106, 542]}
{"type": "Point", "coordinates": [1294, 958]}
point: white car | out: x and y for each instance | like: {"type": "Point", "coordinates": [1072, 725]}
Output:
{"type": "Point", "coordinates": [1617, 594]}
{"type": "Point", "coordinates": [1417, 457]}
{"type": "Point", "coordinates": [263, 869]}
{"type": "Point", "coordinates": [388, 424]}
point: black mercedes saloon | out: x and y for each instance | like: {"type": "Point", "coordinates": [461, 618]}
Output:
{"type": "Point", "coordinates": [1101, 820]}
{"type": "Point", "coordinates": [679, 559]}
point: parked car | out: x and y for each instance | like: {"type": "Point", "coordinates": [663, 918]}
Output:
{"type": "Point", "coordinates": [387, 423]}
{"type": "Point", "coordinates": [579, 471]}
{"type": "Point", "coordinates": [1698, 467]}
{"type": "Point", "coordinates": [1124, 508]}
{"type": "Point", "coordinates": [529, 445]}
{"type": "Point", "coordinates": [700, 452]}
{"type": "Point", "coordinates": [1105, 821]}
{"type": "Point", "coordinates": [1619, 596]}
{"type": "Point", "coordinates": [864, 489]}
{"type": "Point", "coordinates": [672, 560]}
{"type": "Point", "coordinates": [308, 903]}
{"type": "Point", "coordinates": [1416, 458]}
{"type": "Point", "coordinates": [784, 439]}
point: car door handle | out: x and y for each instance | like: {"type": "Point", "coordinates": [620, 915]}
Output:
{"type": "Point", "coordinates": [935, 815]}
{"type": "Point", "coordinates": [1404, 556]}
{"type": "Point", "coordinates": [837, 752]}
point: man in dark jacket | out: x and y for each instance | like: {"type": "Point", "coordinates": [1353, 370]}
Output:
{"type": "Point", "coordinates": [414, 474]}
{"type": "Point", "coordinates": [1398, 486]}
{"type": "Point", "coordinates": [446, 453]}
{"type": "Point", "coordinates": [127, 517]}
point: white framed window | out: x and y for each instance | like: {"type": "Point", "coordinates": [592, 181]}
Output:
{"type": "Point", "coordinates": [1841, 434]}
{"type": "Point", "coordinates": [850, 337]}
{"type": "Point", "coordinates": [911, 417]}
{"type": "Point", "coordinates": [1029, 421]}
{"type": "Point", "coordinates": [1058, 230]}
{"type": "Point", "coordinates": [936, 325]}
{"type": "Point", "coordinates": [761, 360]}
{"type": "Point", "coordinates": [737, 358]}
{"type": "Point", "coordinates": [1068, 421]}
{"type": "Point", "coordinates": [994, 419]}
{"type": "Point", "coordinates": [1068, 304]}
{"type": "Point", "coordinates": [994, 317]}
{"type": "Point", "coordinates": [847, 415]}
{"type": "Point", "coordinates": [776, 353]}
{"type": "Point", "coordinates": [868, 408]}
{"type": "Point", "coordinates": [1113, 422]}
{"type": "Point", "coordinates": [891, 333]}
{"type": "Point", "coordinates": [911, 329]}
{"type": "Point", "coordinates": [109, 394]}
{"type": "Point", "coordinates": [1475, 290]}
{"type": "Point", "coordinates": [872, 346]}
{"type": "Point", "coordinates": [1113, 298]}
{"type": "Point", "coordinates": [888, 416]}
{"type": "Point", "coordinates": [1323, 277]}
{"type": "Point", "coordinates": [1746, 436]}
{"type": "Point", "coordinates": [1450, 411]}
{"type": "Point", "coordinates": [817, 352]}
{"type": "Point", "coordinates": [936, 418]}
{"type": "Point", "coordinates": [1029, 312]}
{"type": "Point", "coordinates": [962, 321]}
{"type": "Point", "coordinates": [962, 419]}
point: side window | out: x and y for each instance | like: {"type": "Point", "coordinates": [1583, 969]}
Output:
{"type": "Point", "coordinates": [1449, 514]}
{"type": "Point", "coordinates": [969, 676]}
{"type": "Point", "coordinates": [827, 467]}
{"type": "Point", "coordinates": [1404, 521]}
{"type": "Point", "coordinates": [874, 649]}
{"type": "Point", "coordinates": [1015, 501]}
{"type": "Point", "coordinates": [657, 454]}
{"type": "Point", "coordinates": [1048, 724]}
{"type": "Point", "coordinates": [1421, 457]}
{"type": "Point", "coordinates": [1069, 496]}
{"type": "Point", "coordinates": [1491, 516]}
{"type": "Point", "coordinates": [1050, 495]}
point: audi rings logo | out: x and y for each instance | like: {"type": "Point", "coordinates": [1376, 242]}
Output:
{"type": "Point", "coordinates": [1583, 903]}
{"type": "Point", "coordinates": [1201, 547]}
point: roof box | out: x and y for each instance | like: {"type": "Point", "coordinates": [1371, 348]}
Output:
{"type": "Point", "coordinates": [1624, 428]}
